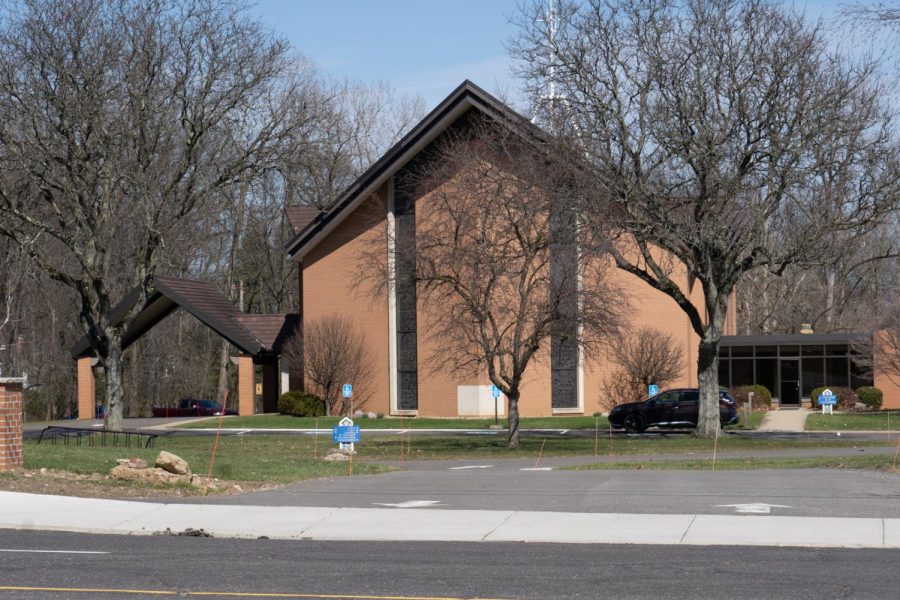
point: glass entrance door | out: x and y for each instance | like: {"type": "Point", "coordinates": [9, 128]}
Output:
{"type": "Point", "coordinates": [790, 381]}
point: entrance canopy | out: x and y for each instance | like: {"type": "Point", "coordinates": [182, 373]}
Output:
{"type": "Point", "coordinates": [259, 338]}
{"type": "Point", "coordinates": [254, 335]}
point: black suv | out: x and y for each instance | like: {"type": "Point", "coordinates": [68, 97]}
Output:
{"type": "Point", "coordinates": [671, 408]}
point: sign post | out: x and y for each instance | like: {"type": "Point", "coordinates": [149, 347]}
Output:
{"type": "Point", "coordinates": [347, 390]}
{"type": "Point", "coordinates": [653, 389]}
{"type": "Point", "coordinates": [495, 392]}
{"type": "Point", "coordinates": [345, 434]}
{"type": "Point", "coordinates": [827, 400]}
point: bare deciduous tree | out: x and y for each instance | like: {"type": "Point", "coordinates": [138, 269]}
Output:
{"type": "Point", "coordinates": [644, 357]}
{"type": "Point", "coordinates": [724, 134]}
{"type": "Point", "coordinates": [119, 120]}
{"type": "Point", "coordinates": [333, 351]}
{"type": "Point", "coordinates": [496, 258]}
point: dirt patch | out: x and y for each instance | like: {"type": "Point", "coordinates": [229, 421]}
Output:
{"type": "Point", "coordinates": [64, 483]}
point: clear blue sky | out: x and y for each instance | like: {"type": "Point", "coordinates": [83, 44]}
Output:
{"type": "Point", "coordinates": [422, 47]}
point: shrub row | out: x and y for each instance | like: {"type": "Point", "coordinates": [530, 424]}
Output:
{"type": "Point", "coordinates": [870, 396]}
{"type": "Point", "coordinates": [847, 398]}
{"type": "Point", "coordinates": [300, 404]}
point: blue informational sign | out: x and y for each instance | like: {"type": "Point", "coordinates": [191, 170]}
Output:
{"type": "Point", "coordinates": [345, 434]}
{"type": "Point", "coordinates": [348, 390]}
{"type": "Point", "coordinates": [827, 398]}
{"type": "Point", "coordinates": [654, 390]}
{"type": "Point", "coordinates": [495, 391]}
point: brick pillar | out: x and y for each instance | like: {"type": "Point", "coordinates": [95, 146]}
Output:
{"type": "Point", "coordinates": [87, 389]}
{"type": "Point", "coordinates": [246, 384]}
{"type": "Point", "coordinates": [10, 424]}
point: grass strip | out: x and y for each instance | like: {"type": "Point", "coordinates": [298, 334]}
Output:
{"type": "Point", "coordinates": [558, 422]}
{"type": "Point", "coordinates": [289, 422]}
{"type": "Point", "coordinates": [868, 421]}
{"type": "Point", "coordinates": [875, 462]}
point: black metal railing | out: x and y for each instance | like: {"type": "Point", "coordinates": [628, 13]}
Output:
{"type": "Point", "coordinates": [97, 437]}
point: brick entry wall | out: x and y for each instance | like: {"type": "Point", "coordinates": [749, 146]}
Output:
{"type": "Point", "coordinates": [10, 424]}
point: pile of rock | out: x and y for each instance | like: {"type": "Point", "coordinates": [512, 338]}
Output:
{"type": "Point", "coordinates": [168, 469]}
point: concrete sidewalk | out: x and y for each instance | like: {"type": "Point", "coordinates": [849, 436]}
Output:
{"type": "Point", "coordinates": [785, 420]}
{"type": "Point", "coordinates": [60, 513]}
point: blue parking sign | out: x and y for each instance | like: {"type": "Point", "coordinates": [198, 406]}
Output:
{"type": "Point", "coordinates": [348, 390]}
{"type": "Point", "coordinates": [495, 391]}
{"type": "Point", "coordinates": [653, 389]}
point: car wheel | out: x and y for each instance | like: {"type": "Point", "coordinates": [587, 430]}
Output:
{"type": "Point", "coordinates": [634, 423]}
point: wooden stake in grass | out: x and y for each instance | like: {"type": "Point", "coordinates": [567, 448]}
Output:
{"type": "Point", "coordinates": [609, 451]}
{"type": "Point", "coordinates": [897, 451]}
{"type": "Point", "coordinates": [540, 453]}
{"type": "Point", "coordinates": [316, 441]}
{"type": "Point", "coordinates": [596, 433]}
{"type": "Point", "coordinates": [212, 458]}
{"type": "Point", "coordinates": [715, 448]}
{"type": "Point", "coordinates": [401, 440]}
{"type": "Point", "coordinates": [351, 463]}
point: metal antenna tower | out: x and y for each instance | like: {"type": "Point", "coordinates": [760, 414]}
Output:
{"type": "Point", "coordinates": [549, 101]}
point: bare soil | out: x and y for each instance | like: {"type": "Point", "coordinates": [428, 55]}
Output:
{"type": "Point", "coordinates": [63, 483]}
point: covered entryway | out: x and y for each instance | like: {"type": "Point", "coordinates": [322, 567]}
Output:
{"type": "Point", "coordinates": [258, 339]}
{"type": "Point", "coordinates": [792, 366]}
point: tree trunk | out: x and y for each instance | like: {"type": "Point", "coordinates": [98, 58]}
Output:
{"type": "Point", "coordinates": [223, 372]}
{"type": "Point", "coordinates": [114, 363]}
{"type": "Point", "coordinates": [513, 410]}
{"type": "Point", "coordinates": [708, 377]}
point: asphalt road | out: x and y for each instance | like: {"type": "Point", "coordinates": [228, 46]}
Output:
{"type": "Point", "coordinates": [512, 485]}
{"type": "Point", "coordinates": [40, 566]}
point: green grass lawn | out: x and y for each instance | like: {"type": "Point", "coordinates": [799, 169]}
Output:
{"type": "Point", "coordinates": [288, 422]}
{"type": "Point", "coordinates": [748, 423]}
{"type": "Point", "coordinates": [270, 459]}
{"type": "Point", "coordinates": [867, 421]}
{"type": "Point", "coordinates": [284, 459]}
{"type": "Point", "coordinates": [559, 422]}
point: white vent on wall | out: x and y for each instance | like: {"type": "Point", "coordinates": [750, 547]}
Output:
{"type": "Point", "coordinates": [477, 401]}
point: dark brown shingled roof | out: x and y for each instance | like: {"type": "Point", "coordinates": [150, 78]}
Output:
{"type": "Point", "coordinates": [200, 298]}
{"type": "Point", "coordinates": [271, 330]}
{"type": "Point", "coordinates": [301, 216]}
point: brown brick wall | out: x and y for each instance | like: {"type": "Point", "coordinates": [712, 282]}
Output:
{"type": "Point", "coordinates": [334, 282]}
{"type": "Point", "coordinates": [10, 426]}
{"type": "Point", "coordinates": [87, 389]}
{"type": "Point", "coordinates": [246, 373]}
{"type": "Point", "coordinates": [888, 384]}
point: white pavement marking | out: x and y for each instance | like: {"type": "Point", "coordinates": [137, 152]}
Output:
{"type": "Point", "coordinates": [52, 551]}
{"type": "Point", "coordinates": [536, 469]}
{"type": "Point", "coordinates": [470, 467]}
{"type": "Point", "coordinates": [753, 509]}
{"type": "Point", "coordinates": [411, 504]}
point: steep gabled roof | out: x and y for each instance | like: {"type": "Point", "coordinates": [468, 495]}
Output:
{"type": "Point", "coordinates": [200, 298]}
{"type": "Point", "coordinates": [300, 216]}
{"type": "Point", "coordinates": [272, 331]}
{"type": "Point", "coordinates": [466, 96]}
